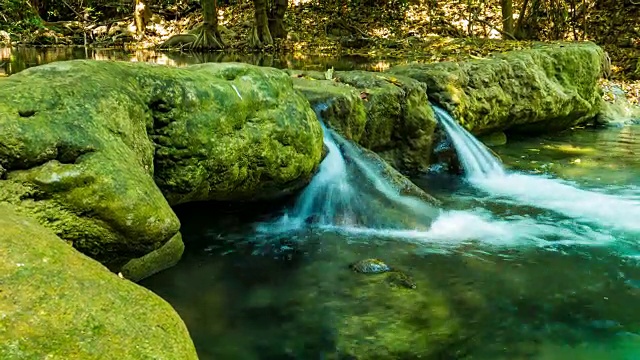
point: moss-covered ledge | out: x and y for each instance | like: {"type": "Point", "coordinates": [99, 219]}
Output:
{"type": "Point", "coordinates": [56, 303]}
{"type": "Point", "coordinates": [546, 88]}
{"type": "Point", "coordinates": [388, 114]}
{"type": "Point", "coordinates": [97, 151]}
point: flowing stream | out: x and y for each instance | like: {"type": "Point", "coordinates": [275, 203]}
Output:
{"type": "Point", "coordinates": [534, 259]}
{"type": "Point", "coordinates": [486, 173]}
{"type": "Point", "coordinates": [350, 192]}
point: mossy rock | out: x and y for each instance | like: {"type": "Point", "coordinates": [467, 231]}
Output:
{"type": "Point", "coordinates": [497, 138]}
{"type": "Point", "coordinates": [542, 89]}
{"type": "Point", "coordinates": [92, 148]}
{"type": "Point", "coordinates": [388, 114]}
{"type": "Point", "coordinates": [57, 303]}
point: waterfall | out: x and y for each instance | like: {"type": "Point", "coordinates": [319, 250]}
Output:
{"type": "Point", "coordinates": [475, 158]}
{"type": "Point", "coordinates": [484, 172]}
{"type": "Point", "coordinates": [351, 190]}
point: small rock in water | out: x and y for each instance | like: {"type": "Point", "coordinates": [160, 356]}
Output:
{"type": "Point", "coordinates": [398, 278]}
{"type": "Point", "coordinates": [370, 266]}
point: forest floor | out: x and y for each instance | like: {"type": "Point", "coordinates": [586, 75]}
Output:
{"type": "Point", "coordinates": [379, 34]}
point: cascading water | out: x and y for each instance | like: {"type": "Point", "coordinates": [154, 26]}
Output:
{"type": "Point", "coordinates": [350, 191]}
{"type": "Point", "coordinates": [485, 172]}
{"type": "Point", "coordinates": [476, 160]}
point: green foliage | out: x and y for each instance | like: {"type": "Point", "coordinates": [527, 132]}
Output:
{"type": "Point", "coordinates": [18, 16]}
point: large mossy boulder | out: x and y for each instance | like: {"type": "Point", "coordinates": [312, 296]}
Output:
{"type": "Point", "coordinates": [388, 114]}
{"type": "Point", "coordinates": [94, 149]}
{"type": "Point", "coordinates": [56, 303]}
{"type": "Point", "coordinates": [545, 88]}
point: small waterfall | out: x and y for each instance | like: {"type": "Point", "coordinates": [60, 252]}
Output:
{"type": "Point", "coordinates": [351, 190]}
{"type": "Point", "coordinates": [475, 158]}
{"type": "Point", "coordinates": [484, 172]}
{"type": "Point", "coordinates": [330, 197]}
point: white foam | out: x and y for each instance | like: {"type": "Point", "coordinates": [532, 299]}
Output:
{"type": "Point", "coordinates": [613, 211]}
{"type": "Point", "coordinates": [484, 172]}
{"type": "Point", "coordinates": [454, 228]}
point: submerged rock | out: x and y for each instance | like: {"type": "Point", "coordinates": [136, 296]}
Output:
{"type": "Point", "coordinates": [388, 114]}
{"type": "Point", "coordinates": [395, 277]}
{"type": "Point", "coordinates": [377, 322]}
{"type": "Point", "coordinates": [401, 279]}
{"type": "Point", "coordinates": [370, 266]}
{"type": "Point", "coordinates": [542, 89]}
{"type": "Point", "coordinates": [57, 303]}
{"type": "Point", "coordinates": [498, 138]}
{"type": "Point", "coordinates": [89, 148]}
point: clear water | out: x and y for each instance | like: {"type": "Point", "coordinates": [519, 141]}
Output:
{"type": "Point", "coordinates": [539, 262]}
{"type": "Point", "coordinates": [539, 273]}
{"type": "Point", "coordinates": [13, 60]}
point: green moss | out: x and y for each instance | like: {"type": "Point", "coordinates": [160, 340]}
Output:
{"type": "Point", "coordinates": [343, 110]}
{"type": "Point", "coordinates": [388, 114]}
{"type": "Point", "coordinates": [394, 322]}
{"type": "Point", "coordinates": [92, 148]}
{"type": "Point", "coordinates": [56, 303]}
{"type": "Point", "coordinates": [542, 89]}
{"type": "Point", "coordinates": [163, 258]}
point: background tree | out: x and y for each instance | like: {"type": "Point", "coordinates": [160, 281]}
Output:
{"type": "Point", "coordinates": [507, 16]}
{"type": "Point", "coordinates": [204, 37]}
{"type": "Point", "coordinates": [208, 35]}
{"type": "Point", "coordinates": [267, 28]}
{"type": "Point", "coordinates": [141, 16]}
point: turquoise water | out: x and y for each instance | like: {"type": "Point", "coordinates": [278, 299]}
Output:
{"type": "Point", "coordinates": [498, 276]}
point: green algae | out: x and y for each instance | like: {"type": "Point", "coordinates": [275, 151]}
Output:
{"type": "Point", "coordinates": [543, 89]}
{"type": "Point", "coordinates": [56, 303]}
{"type": "Point", "coordinates": [97, 151]}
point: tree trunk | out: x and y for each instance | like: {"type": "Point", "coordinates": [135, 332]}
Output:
{"type": "Point", "coordinates": [519, 30]}
{"type": "Point", "coordinates": [276, 22]}
{"type": "Point", "coordinates": [208, 35]}
{"type": "Point", "coordinates": [141, 15]}
{"type": "Point", "coordinates": [507, 16]}
{"type": "Point", "coordinates": [260, 36]}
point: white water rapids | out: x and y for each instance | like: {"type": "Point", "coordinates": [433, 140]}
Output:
{"type": "Point", "coordinates": [348, 193]}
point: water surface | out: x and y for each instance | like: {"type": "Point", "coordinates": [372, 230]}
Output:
{"type": "Point", "coordinates": [535, 273]}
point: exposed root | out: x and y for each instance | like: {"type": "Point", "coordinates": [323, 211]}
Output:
{"type": "Point", "coordinates": [178, 41]}
{"type": "Point", "coordinates": [208, 38]}
{"type": "Point", "coordinates": [204, 37]}
{"type": "Point", "coordinates": [260, 37]}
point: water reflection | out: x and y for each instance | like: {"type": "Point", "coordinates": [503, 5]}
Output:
{"type": "Point", "coordinates": [13, 60]}
{"type": "Point", "coordinates": [591, 157]}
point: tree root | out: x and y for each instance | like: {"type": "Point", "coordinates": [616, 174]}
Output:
{"type": "Point", "coordinates": [204, 37]}
{"type": "Point", "coordinates": [208, 38]}
{"type": "Point", "coordinates": [178, 41]}
{"type": "Point", "coordinates": [257, 41]}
